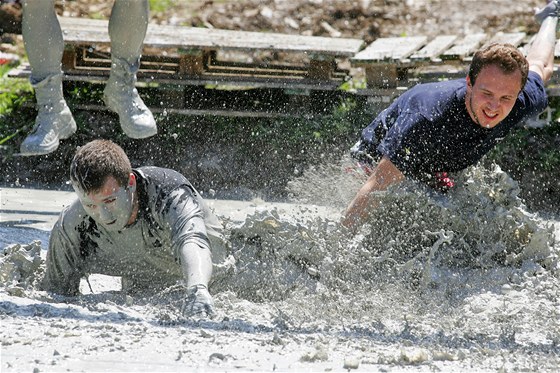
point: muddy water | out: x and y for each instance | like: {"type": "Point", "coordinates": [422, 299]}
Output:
{"type": "Point", "coordinates": [461, 282]}
{"type": "Point", "coordinates": [468, 271]}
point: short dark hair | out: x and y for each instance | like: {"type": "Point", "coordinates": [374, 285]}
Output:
{"type": "Point", "coordinates": [507, 57]}
{"type": "Point", "coordinates": [95, 161]}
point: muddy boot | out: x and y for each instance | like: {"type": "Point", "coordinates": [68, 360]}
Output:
{"type": "Point", "coordinates": [54, 120]}
{"type": "Point", "coordinates": [121, 96]}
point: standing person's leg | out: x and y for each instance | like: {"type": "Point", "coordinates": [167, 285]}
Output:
{"type": "Point", "coordinates": [127, 29]}
{"type": "Point", "coordinates": [44, 45]}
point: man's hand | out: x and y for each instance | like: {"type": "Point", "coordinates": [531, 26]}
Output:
{"type": "Point", "coordinates": [550, 10]}
{"type": "Point", "coordinates": [199, 302]}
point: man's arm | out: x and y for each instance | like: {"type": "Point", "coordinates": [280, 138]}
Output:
{"type": "Point", "coordinates": [62, 273]}
{"type": "Point", "coordinates": [189, 238]}
{"type": "Point", "coordinates": [196, 262]}
{"type": "Point", "coordinates": [359, 210]}
{"type": "Point", "coordinates": [541, 54]}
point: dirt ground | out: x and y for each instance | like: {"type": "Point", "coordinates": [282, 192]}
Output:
{"type": "Point", "coordinates": [364, 19]}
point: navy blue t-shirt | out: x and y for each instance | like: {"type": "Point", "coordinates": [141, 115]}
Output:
{"type": "Point", "coordinates": [428, 128]}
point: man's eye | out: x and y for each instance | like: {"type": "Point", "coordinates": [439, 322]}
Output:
{"type": "Point", "coordinates": [110, 200]}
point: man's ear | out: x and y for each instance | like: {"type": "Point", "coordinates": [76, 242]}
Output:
{"type": "Point", "coordinates": [131, 182]}
{"type": "Point", "coordinates": [469, 84]}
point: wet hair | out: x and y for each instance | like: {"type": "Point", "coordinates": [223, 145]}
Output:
{"type": "Point", "coordinates": [507, 57]}
{"type": "Point", "coordinates": [94, 162]}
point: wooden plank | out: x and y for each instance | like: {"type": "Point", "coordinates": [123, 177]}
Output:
{"type": "Point", "coordinates": [77, 23]}
{"type": "Point", "coordinates": [69, 58]}
{"type": "Point", "coordinates": [200, 64]}
{"type": "Point", "coordinates": [90, 31]}
{"type": "Point", "coordinates": [257, 80]}
{"type": "Point", "coordinates": [394, 48]}
{"type": "Point", "coordinates": [381, 75]}
{"type": "Point", "coordinates": [465, 47]}
{"type": "Point", "coordinates": [514, 38]}
{"type": "Point", "coordinates": [434, 48]}
{"type": "Point", "coordinates": [197, 63]}
{"type": "Point", "coordinates": [192, 63]}
{"type": "Point", "coordinates": [321, 69]}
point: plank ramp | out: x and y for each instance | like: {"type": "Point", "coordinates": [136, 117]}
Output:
{"type": "Point", "coordinates": [393, 64]}
{"type": "Point", "coordinates": [192, 55]}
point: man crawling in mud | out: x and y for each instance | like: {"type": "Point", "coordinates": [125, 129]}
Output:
{"type": "Point", "coordinates": [437, 128]}
{"type": "Point", "coordinates": [148, 225]}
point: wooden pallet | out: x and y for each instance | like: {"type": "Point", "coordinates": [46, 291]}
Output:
{"type": "Point", "coordinates": [200, 56]}
{"type": "Point", "coordinates": [176, 58]}
{"type": "Point", "coordinates": [292, 71]}
{"type": "Point", "coordinates": [403, 61]}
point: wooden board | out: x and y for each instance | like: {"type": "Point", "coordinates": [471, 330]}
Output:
{"type": "Point", "coordinates": [152, 77]}
{"type": "Point", "coordinates": [90, 31]}
{"type": "Point", "coordinates": [196, 55]}
{"type": "Point", "coordinates": [432, 50]}
{"type": "Point", "coordinates": [513, 38]}
{"type": "Point", "coordinates": [390, 49]}
{"type": "Point", "coordinates": [465, 47]}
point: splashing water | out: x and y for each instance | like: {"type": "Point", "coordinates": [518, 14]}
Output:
{"type": "Point", "coordinates": [462, 281]}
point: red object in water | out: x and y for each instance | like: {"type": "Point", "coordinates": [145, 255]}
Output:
{"type": "Point", "coordinates": [443, 182]}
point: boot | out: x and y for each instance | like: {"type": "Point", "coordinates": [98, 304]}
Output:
{"type": "Point", "coordinates": [121, 96]}
{"type": "Point", "coordinates": [54, 121]}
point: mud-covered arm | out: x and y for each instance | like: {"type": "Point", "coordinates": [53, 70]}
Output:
{"type": "Point", "coordinates": [184, 214]}
{"type": "Point", "coordinates": [365, 201]}
{"type": "Point", "coordinates": [64, 266]}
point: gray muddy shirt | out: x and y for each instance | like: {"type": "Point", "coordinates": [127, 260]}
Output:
{"type": "Point", "coordinates": [171, 214]}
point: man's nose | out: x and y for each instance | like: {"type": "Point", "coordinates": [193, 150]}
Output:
{"type": "Point", "coordinates": [105, 214]}
{"type": "Point", "coordinates": [494, 103]}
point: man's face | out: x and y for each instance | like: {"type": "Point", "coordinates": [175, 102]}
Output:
{"type": "Point", "coordinates": [493, 95]}
{"type": "Point", "coordinates": [113, 205]}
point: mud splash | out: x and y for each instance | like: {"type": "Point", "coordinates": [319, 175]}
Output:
{"type": "Point", "coordinates": [464, 281]}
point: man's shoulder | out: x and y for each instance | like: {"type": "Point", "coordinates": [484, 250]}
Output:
{"type": "Point", "coordinates": [534, 83]}
{"type": "Point", "coordinates": [445, 87]}
{"type": "Point", "coordinates": [160, 174]}
{"type": "Point", "coordinates": [157, 184]}
{"type": "Point", "coordinates": [429, 100]}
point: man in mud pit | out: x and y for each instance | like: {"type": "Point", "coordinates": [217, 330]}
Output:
{"type": "Point", "coordinates": [148, 225]}
{"type": "Point", "coordinates": [44, 45]}
{"type": "Point", "coordinates": [442, 127]}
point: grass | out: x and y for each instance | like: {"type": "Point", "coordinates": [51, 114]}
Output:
{"type": "Point", "coordinates": [13, 94]}
{"type": "Point", "coordinates": [162, 5]}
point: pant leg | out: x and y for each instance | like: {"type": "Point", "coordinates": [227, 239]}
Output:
{"type": "Point", "coordinates": [42, 37]}
{"type": "Point", "coordinates": [127, 28]}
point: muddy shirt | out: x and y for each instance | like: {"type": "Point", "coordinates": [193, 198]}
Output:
{"type": "Point", "coordinates": [171, 215]}
{"type": "Point", "coordinates": [428, 128]}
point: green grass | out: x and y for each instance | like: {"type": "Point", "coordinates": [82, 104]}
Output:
{"type": "Point", "coordinates": [162, 5]}
{"type": "Point", "coordinates": [13, 94]}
